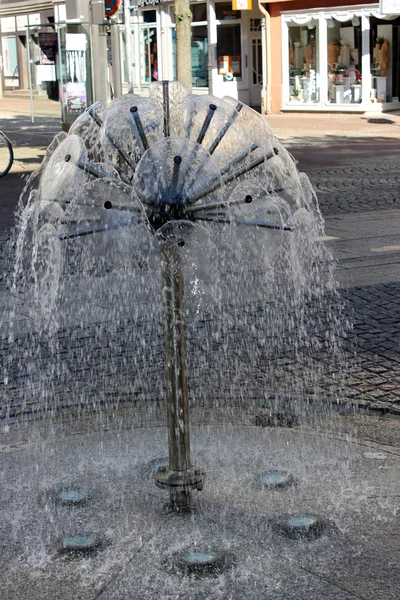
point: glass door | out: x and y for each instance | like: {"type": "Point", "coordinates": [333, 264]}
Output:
{"type": "Point", "coordinates": [256, 63]}
{"type": "Point", "coordinates": [148, 47]}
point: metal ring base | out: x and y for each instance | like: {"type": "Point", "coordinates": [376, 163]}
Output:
{"type": "Point", "coordinates": [180, 481]}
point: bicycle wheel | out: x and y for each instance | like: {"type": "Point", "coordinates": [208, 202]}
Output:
{"type": "Point", "coordinates": [6, 154]}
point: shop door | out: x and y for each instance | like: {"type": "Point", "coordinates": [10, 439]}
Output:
{"type": "Point", "coordinates": [255, 74]}
{"type": "Point", "coordinates": [149, 55]}
{"type": "Point", "coordinates": [256, 71]}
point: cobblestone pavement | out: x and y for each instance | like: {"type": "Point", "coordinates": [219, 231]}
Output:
{"type": "Point", "coordinates": [374, 343]}
{"type": "Point", "coordinates": [92, 363]}
{"type": "Point", "coordinates": [363, 186]}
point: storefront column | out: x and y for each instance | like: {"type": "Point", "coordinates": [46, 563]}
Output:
{"type": "Point", "coordinates": [99, 66]}
{"type": "Point", "coordinates": [322, 68]}
{"type": "Point", "coordinates": [137, 79]}
{"type": "Point", "coordinates": [276, 44]}
{"type": "Point", "coordinates": [165, 66]}
{"type": "Point", "coordinates": [212, 46]}
{"type": "Point", "coordinates": [116, 60]}
{"type": "Point", "coordinates": [365, 60]}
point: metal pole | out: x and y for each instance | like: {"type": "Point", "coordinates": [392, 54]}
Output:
{"type": "Point", "coordinates": [128, 45]}
{"type": "Point", "coordinates": [28, 50]}
{"type": "Point", "coordinates": [176, 371]}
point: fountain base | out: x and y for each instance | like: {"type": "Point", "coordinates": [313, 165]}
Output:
{"type": "Point", "coordinates": [336, 478]}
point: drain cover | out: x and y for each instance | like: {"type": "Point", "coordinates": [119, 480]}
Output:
{"type": "Point", "coordinates": [79, 544]}
{"type": "Point", "coordinates": [202, 563]}
{"type": "Point", "coordinates": [303, 526]}
{"type": "Point", "coordinates": [72, 497]}
{"type": "Point", "coordinates": [276, 479]}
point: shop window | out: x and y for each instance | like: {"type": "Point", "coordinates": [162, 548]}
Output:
{"type": "Point", "coordinates": [229, 50]}
{"type": "Point", "coordinates": [255, 24]}
{"type": "Point", "coordinates": [149, 16]}
{"type": "Point", "coordinates": [224, 12]}
{"type": "Point", "coordinates": [303, 63]}
{"type": "Point", "coordinates": [199, 55]}
{"type": "Point", "coordinates": [10, 58]}
{"type": "Point", "coordinates": [149, 49]}
{"type": "Point", "coordinates": [385, 60]}
{"type": "Point", "coordinates": [344, 61]}
{"type": "Point", "coordinates": [199, 12]}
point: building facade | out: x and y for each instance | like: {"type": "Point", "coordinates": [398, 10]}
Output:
{"type": "Point", "coordinates": [342, 57]}
{"type": "Point", "coordinates": [287, 55]}
{"type": "Point", "coordinates": [228, 48]}
{"type": "Point", "coordinates": [19, 45]}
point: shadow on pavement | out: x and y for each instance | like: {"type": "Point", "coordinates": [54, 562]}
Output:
{"type": "Point", "coordinates": [11, 188]}
{"type": "Point", "coordinates": [331, 150]}
{"type": "Point", "coordinates": [22, 132]}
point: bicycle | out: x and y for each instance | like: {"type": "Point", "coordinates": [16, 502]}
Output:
{"type": "Point", "coordinates": [6, 154]}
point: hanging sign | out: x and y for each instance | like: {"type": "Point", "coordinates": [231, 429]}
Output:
{"type": "Point", "coordinates": [242, 4]}
{"type": "Point", "coordinates": [111, 7]}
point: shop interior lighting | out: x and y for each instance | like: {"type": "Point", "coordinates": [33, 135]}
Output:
{"type": "Point", "coordinates": [330, 23]}
{"type": "Point", "coordinates": [355, 21]}
{"type": "Point", "coordinates": [311, 24]}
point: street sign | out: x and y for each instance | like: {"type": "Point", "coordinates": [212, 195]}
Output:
{"type": "Point", "coordinates": [242, 4]}
{"type": "Point", "coordinates": [111, 7]}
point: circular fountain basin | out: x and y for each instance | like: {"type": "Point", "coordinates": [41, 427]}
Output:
{"type": "Point", "coordinates": [150, 552]}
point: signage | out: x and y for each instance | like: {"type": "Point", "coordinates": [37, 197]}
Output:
{"type": "Point", "coordinates": [76, 97]}
{"type": "Point", "coordinates": [242, 4]}
{"type": "Point", "coordinates": [111, 7]}
{"type": "Point", "coordinates": [389, 7]}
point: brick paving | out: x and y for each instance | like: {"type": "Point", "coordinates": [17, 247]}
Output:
{"type": "Point", "coordinates": [360, 187]}
{"type": "Point", "coordinates": [97, 364]}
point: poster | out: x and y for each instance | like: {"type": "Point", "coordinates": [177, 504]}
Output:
{"type": "Point", "coordinates": [76, 97]}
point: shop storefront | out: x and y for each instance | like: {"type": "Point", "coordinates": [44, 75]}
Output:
{"type": "Point", "coordinates": [234, 67]}
{"type": "Point", "coordinates": [20, 42]}
{"type": "Point", "coordinates": [342, 58]}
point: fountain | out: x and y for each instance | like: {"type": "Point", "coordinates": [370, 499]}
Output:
{"type": "Point", "coordinates": [192, 200]}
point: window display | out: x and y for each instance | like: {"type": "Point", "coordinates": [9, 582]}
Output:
{"type": "Point", "coordinates": [229, 50]}
{"type": "Point", "coordinates": [338, 38]}
{"type": "Point", "coordinates": [344, 61]}
{"type": "Point", "coordinates": [385, 59]}
{"type": "Point", "coordinates": [303, 63]}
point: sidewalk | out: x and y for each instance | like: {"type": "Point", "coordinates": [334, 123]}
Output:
{"type": "Point", "coordinates": [341, 135]}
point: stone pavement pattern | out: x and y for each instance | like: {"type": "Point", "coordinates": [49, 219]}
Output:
{"type": "Point", "coordinates": [359, 199]}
